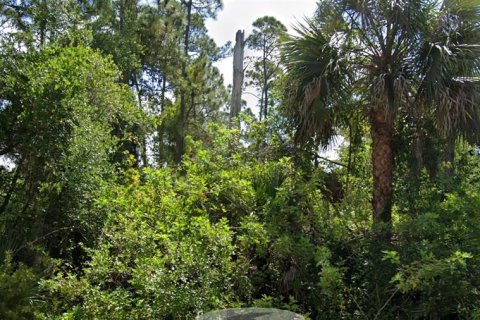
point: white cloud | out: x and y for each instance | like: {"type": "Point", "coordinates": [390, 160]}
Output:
{"type": "Point", "coordinates": [240, 14]}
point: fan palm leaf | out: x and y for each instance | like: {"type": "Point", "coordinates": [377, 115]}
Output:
{"type": "Point", "coordinates": [318, 78]}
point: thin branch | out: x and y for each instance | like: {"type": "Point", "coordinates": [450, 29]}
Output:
{"type": "Point", "coordinates": [332, 161]}
{"type": "Point", "coordinates": [385, 304]}
{"type": "Point", "coordinates": [46, 236]}
{"type": "Point", "coordinates": [252, 94]}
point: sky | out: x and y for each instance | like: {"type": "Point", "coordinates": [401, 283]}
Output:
{"type": "Point", "coordinates": [240, 14]}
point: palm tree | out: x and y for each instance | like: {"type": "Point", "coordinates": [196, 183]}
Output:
{"type": "Point", "coordinates": [383, 55]}
{"type": "Point", "coordinates": [450, 64]}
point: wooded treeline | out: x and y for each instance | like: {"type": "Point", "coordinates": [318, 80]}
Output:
{"type": "Point", "coordinates": [128, 191]}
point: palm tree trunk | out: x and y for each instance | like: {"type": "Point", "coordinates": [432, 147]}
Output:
{"type": "Point", "coordinates": [382, 161]}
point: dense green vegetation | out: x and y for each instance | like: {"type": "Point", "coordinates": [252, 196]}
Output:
{"type": "Point", "coordinates": [125, 194]}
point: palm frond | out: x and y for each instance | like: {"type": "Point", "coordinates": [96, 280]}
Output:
{"type": "Point", "coordinates": [450, 67]}
{"type": "Point", "coordinates": [316, 78]}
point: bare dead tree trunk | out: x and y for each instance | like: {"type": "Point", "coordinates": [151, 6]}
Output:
{"type": "Point", "coordinates": [238, 76]}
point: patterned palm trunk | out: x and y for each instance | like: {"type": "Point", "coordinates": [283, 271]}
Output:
{"type": "Point", "coordinates": [382, 161]}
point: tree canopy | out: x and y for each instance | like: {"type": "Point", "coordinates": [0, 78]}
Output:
{"type": "Point", "coordinates": [126, 193]}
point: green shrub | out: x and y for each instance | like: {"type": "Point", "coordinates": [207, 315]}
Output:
{"type": "Point", "coordinates": [18, 291]}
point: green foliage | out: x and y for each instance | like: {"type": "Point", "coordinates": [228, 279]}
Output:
{"type": "Point", "coordinates": [230, 230]}
{"type": "Point", "coordinates": [264, 69]}
{"type": "Point", "coordinates": [93, 226]}
{"type": "Point", "coordinates": [60, 107]}
{"type": "Point", "coordinates": [166, 248]}
{"type": "Point", "coordinates": [18, 290]}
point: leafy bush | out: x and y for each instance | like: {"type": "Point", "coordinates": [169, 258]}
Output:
{"type": "Point", "coordinates": [18, 291]}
